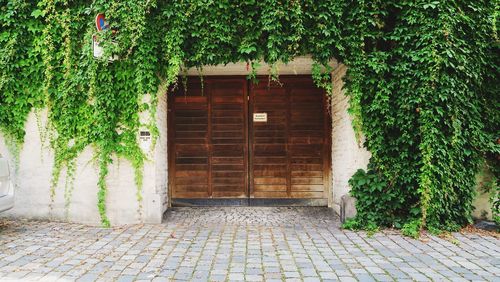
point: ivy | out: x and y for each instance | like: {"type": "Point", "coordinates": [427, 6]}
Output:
{"type": "Point", "coordinates": [422, 91]}
{"type": "Point", "coordinates": [421, 80]}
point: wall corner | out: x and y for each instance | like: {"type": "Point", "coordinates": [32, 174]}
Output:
{"type": "Point", "coordinates": [347, 153]}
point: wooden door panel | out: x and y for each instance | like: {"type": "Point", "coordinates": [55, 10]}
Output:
{"type": "Point", "coordinates": [270, 194]}
{"type": "Point", "coordinates": [228, 138]}
{"type": "Point", "coordinates": [289, 151]}
{"type": "Point", "coordinates": [209, 137]}
{"type": "Point", "coordinates": [217, 151]}
{"type": "Point", "coordinates": [188, 162]}
{"type": "Point", "coordinates": [190, 101]}
{"type": "Point", "coordinates": [189, 173]}
{"type": "Point", "coordinates": [190, 157]}
{"type": "Point", "coordinates": [189, 166]}
{"type": "Point", "coordinates": [307, 195]}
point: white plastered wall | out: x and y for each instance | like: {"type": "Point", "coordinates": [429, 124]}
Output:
{"type": "Point", "coordinates": [481, 203]}
{"type": "Point", "coordinates": [299, 65]}
{"type": "Point", "coordinates": [33, 176]}
{"type": "Point", "coordinates": [35, 165]}
{"type": "Point", "coordinates": [348, 154]}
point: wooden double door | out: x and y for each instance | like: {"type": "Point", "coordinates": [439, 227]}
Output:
{"type": "Point", "coordinates": [231, 138]}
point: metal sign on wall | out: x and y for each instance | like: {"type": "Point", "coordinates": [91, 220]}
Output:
{"type": "Point", "coordinates": [101, 25]}
{"type": "Point", "coordinates": [98, 51]}
{"type": "Point", "coordinates": [260, 117]}
{"type": "Point", "coordinates": [100, 22]}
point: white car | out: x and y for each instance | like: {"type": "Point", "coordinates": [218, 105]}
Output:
{"type": "Point", "coordinates": [6, 187]}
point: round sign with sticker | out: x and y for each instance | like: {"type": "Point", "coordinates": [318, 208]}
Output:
{"type": "Point", "coordinates": [100, 22]}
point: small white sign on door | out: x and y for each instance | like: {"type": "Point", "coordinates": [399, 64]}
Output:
{"type": "Point", "coordinates": [260, 117]}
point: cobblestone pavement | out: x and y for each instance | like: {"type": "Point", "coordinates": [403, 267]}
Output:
{"type": "Point", "coordinates": [242, 243]}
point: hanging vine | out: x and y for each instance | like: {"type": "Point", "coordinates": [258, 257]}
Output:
{"type": "Point", "coordinates": [421, 79]}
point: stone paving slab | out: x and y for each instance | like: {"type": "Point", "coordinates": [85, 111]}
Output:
{"type": "Point", "coordinates": [238, 244]}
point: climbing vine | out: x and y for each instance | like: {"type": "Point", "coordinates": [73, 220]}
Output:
{"type": "Point", "coordinates": [421, 78]}
{"type": "Point", "coordinates": [426, 101]}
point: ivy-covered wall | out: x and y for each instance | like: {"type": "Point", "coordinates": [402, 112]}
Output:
{"type": "Point", "coordinates": [426, 95]}
{"type": "Point", "coordinates": [421, 77]}
{"type": "Point", "coordinates": [77, 201]}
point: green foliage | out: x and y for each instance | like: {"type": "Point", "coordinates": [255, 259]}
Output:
{"type": "Point", "coordinates": [355, 224]}
{"type": "Point", "coordinates": [20, 66]}
{"type": "Point", "coordinates": [412, 228]}
{"type": "Point", "coordinates": [376, 199]}
{"type": "Point", "coordinates": [421, 80]}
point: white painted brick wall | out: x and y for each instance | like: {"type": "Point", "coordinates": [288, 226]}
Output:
{"type": "Point", "coordinates": [32, 180]}
{"type": "Point", "coordinates": [161, 157]}
{"type": "Point", "coordinates": [347, 154]}
{"type": "Point", "coordinates": [299, 65]}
